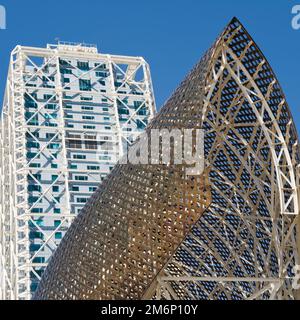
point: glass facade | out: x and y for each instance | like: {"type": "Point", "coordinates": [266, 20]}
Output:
{"type": "Point", "coordinates": [81, 110]}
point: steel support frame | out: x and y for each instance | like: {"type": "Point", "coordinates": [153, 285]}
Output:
{"type": "Point", "coordinates": [16, 264]}
{"type": "Point", "coordinates": [288, 197]}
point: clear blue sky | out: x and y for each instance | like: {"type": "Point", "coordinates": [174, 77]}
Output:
{"type": "Point", "coordinates": [171, 34]}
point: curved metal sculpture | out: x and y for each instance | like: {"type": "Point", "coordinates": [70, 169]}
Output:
{"type": "Point", "coordinates": [151, 232]}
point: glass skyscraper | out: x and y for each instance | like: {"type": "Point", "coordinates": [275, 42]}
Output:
{"type": "Point", "coordinates": [69, 114]}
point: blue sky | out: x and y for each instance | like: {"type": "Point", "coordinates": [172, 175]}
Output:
{"type": "Point", "coordinates": [171, 34]}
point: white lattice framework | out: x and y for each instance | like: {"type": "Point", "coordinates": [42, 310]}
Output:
{"type": "Point", "coordinates": [254, 154]}
{"type": "Point", "coordinates": [244, 245]}
{"type": "Point", "coordinates": [26, 65]}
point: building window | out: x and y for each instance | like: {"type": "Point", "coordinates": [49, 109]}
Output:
{"type": "Point", "coordinates": [33, 187]}
{"type": "Point", "coordinates": [75, 144]}
{"type": "Point", "coordinates": [33, 145]}
{"type": "Point", "coordinates": [93, 167]}
{"type": "Point", "coordinates": [123, 110]}
{"type": "Point", "coordinates": [142, 111]}
{"type": "Point", "coordinates": [33, 121]}
{"type": "Point", "coordinates": [137, 104]}
{"type": "Point", "coordinates": [50, 135]}
{"type": "Point", "coordinates": [37, 210]}
{"type": "Point", "coordinates": [140, 124]}
{"type": "Point", "coordinates": [48, 124]}
{"type": "Point", "coordinates": [31, 155]}
{"type": "Point", "coordinates": [101, 74]}
{"type": "Point", "coordinates": [104, 158]}
{"type": "Point", "coordinates": [85, 85]}
{"type": "Point", "coordinates": [88, 118]}
{"type": "Point", "coordinates": [87, 108]}
{"type": "Point", "coordinates": [50, 106]}
{"type": "Point", "coordinates": [79, 156]}
{"type": "Point", "coordinates": [90, 137]}
{"type": "Point", "coordinates": [35, 176]}
{"type": "Point", "coordinates": [32, 200]}
{"type": "Point", "coordinates": [67, 97]}
{"type": "Point", "coordinates": [91, 145]}
{"type": "Point", "coordinates": [89, 127]}
{"type": "Point", "coordinates": [65, 71]}
{"type": "Point", "coordinates": [81, 178]}
{"type": "Point", "coordinates": [83, 65]}
{"type": "Point", "coordinates": [100, 66]}
{"type": "Point", "coordinates": [35, 165]}
{"type": "Point", "coordinates": [54, 146]}
{"type": "Point", "coordinates": [118, 84]}
{"type": "Point", "coordinates": [81, 200]}
{"type": "Point", "coordinates": [58, 235]}
{"type": "Point", "coordinates": [54, 177]}
{"type": "Point", "coordinates": [30, 104]}
{"type": "Point", "coordinates": [48, 97]}
{"type": "Point", "coordinates": [32, 134]}
{"type": "Point", "coordinates": [39, 259]}
{"type": "Point", "coordinates": [50, 116]}
{"type": "Point", "coordinates": [86, 98]}
{"type": "Point", "coordinates": [74, 136]}
{"type": "Point", "coordinates": [57, 223]}
{"type": "Point", "coordinates": [36, 235]}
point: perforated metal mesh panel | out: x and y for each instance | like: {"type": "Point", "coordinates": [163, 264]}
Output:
{"type": "Point", "coordinates": [244, 245]}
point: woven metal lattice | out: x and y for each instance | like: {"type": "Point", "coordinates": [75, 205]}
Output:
{"type": "Point", "coordinates": [244, 246]}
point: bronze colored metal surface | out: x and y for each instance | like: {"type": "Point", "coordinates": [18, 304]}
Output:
{"type": "Point", "coordinates": [125, 235]}
{"type": "Point", "coordinates": [144, 233]}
